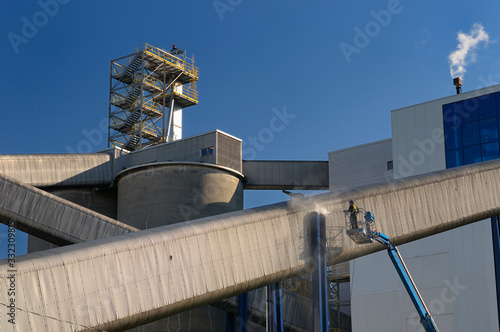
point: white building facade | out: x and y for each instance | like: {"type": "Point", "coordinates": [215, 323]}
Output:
{"type": "Point", "coordinates": [456, 271]}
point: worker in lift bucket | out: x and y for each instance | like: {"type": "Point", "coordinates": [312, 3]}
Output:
{"type": "Point", "coordinates": [353, 217]}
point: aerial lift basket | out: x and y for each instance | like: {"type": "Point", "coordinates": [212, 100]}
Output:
{"type": "Point", "coordinates": [360, 226]}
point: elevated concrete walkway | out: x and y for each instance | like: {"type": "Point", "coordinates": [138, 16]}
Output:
{"type": "Point", "coordinates": [48, 170]}
{"type": "Point", "coordinates": [286, 174]}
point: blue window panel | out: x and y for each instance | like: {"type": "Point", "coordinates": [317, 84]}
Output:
{"type": "Point", "coordinates": [489, 130]}
{"type": "Point", "coordinates": [207, 151]}
{"type": "Point", "coordinates": [454, 158]}
{"type": "Point", "coordinates": [498, 102]}
{"type": "Point", "coordinates": [470, 133]}
{"type": "Point", "coordinates": [472, 154]}
{"type": "Point", "coordinates": [469, 110]}
{"type": "Point", "coordinates": [499, 128]}
{"type": "Point", "coordinates": [451, 114]}
{"type": "Point", "coordinates": [489, 151]}
{"type": "Point", "coordinates": [487, 106]}
{"type": "Point", "coordinates": [453, 138]}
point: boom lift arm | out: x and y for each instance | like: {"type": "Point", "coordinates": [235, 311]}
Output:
{"type": "Point", "coordinates": [425, 316]}
{"type": "Point", "coordinates": [360, 228]}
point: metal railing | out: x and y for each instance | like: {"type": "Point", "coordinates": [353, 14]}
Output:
{"type": "Point", "coordinates": [338, 270]}
{"type": "Point", "coordinates": [146, 103]}
{"type": "Point", "coordinates": [118, 71]}
{"type": "Point", "coordinates": [357, 220]}
{"type": "Point", "coordinates": [123, 67]}
{"type": "Point", "coordinates": [147, 128]}
{"type": "Point", "coordinates": [187, 92]}
{"type": "Point", "coordinates": [150, 80]}
{"type": "Point", "coordinates": [300, 286]}
{"type": "Point", "coordinates": [172, 60]}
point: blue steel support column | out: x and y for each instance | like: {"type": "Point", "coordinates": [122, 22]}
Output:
{"type": "Point", "coordinates": [495, 230]}
{"type": "Point", "coordinates": [319, 277]}
{"type": "Point", "coordinates": [274, 322]}
{"type": "Point", "coordinates": [243, 312]}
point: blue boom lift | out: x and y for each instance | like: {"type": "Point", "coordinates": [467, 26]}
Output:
{"type": "Point", "coordinates": [361, 229]}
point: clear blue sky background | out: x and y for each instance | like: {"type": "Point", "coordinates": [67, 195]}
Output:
{"type": "Point", "coordinates": [253, 56]}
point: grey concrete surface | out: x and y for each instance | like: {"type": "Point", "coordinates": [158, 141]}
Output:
{"type": "Point", "coordinates": [166, 193]}
{"type": "Point", "coordinates": [225, 151]}
{"type": "Point", "coordinates": [45, 170]}
{"type": "Point", "coordinates": [127, 280]}
{"type": "Point", "coordinates": [98, 199]}
{"type": "Point", "coordinates": [290, 175]}
{"type": "Point", "coordinates": [51, 218]}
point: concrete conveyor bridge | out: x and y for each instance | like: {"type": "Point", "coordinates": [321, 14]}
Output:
{"type": "Point", "coordinates": [126, 280]}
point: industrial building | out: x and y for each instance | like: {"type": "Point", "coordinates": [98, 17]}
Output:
{"type": "Point", "coordinates": [156, 230]}
{"type": "Point", "coordinates": [456, 271]}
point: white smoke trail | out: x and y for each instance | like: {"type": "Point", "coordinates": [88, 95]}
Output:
{"type": "Point", "coordinates": [465, 52]}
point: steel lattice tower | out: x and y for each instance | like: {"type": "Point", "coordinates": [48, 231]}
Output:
{"type": "Point", "coordinates": [148, 90]}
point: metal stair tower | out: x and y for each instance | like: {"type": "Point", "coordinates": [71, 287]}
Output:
{"type": "Point", "coordinates": [148, 90]}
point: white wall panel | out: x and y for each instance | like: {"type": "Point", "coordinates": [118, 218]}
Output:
{"type": "Point", "coordinates": [361, 165]}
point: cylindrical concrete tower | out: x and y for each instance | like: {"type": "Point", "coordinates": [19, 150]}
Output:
{"type": "Point", "coordinates": [158, 194]}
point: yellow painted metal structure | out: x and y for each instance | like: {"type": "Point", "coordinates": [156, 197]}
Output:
{"type": "Point", "coordinates": [144, 86]}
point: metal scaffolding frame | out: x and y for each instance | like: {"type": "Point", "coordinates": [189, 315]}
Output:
{"type": "Point", "coordinates": [337, 275]}
{"type": "Point", "coordinates": [145, 88]}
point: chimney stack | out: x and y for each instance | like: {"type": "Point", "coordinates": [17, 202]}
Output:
{"type": "Point", "coordinates": [457, 81]}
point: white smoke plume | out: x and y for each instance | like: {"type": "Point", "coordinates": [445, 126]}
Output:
{"type": "Point", "coordinates": [465, 52]}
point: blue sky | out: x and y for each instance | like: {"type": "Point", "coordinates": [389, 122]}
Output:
{"type": "Point", "coordinates": [255, 58]}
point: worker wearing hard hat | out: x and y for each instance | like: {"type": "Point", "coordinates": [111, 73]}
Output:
{"type": "Point", "coordinates": [354, 214]}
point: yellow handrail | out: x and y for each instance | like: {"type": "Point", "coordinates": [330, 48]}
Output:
{"type": "Point", "coordinates": [152, 105]}
{"type": "Point", "coordinates": [146, 103]}
{"type": "Point", "coordinates": [187, 92]}
{"type": "Point", "coordinates": [153, 81]}
{"type": "Point", "coordinates": [171, 59]}
{"type": "Point", "coordinates": [338, 270]}
{"type": "Point", "coordinates": [146, 128]}
{"type": "Point", "coordinates": [162, 55]}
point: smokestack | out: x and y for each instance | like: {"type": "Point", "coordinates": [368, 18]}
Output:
{"type": "Point", "coordinates": [457, 81]}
